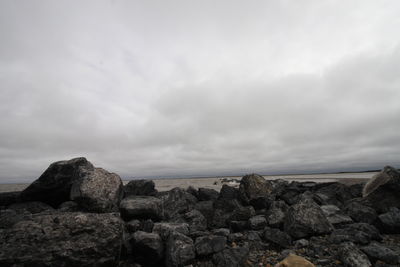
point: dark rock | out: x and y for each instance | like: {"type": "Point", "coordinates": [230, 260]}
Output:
{"type": "Point", "coordinates": [147, 225]}
{"type": "Point", "coordinates": [54, 185]}
{"type": "Point", "coordinates": [389, 222]}
{"type": "Point", "coordinates": [360, 213]}
{"type": "Point", "coordinates": [257, 222]}
{"type": "Point", "coordinates": [227, 205]}
{"type": "Point", "coordinates": [31, 207]}
{"type": "Point", "coordinates": [207, 194]}
{"type": "Point", "coordinates": [196, 221]}
{"type": "Point", "coordinates": [335, 216]}
{"type": "Point", "coordinates": [231, 257]}
{"type": "Point", "coordinates": [255, 190]}
{"type": "Point", "coordinates": [63, 239]}
{"type": "Point", "coordinates": [228, 192]}
{"type": "Point", "coordinates": [276, 214]}
{"type": "Point", "coordinates": [356, 190]}
{"type": "Point", "coordinates": [334, 194]}
{"type": "Point", "coordinates": [236, 237]}
{"type": "Point", "coordinates": [9, 217]}
{"type": "Point", "coordinates": [177, 201]}
{"type": "Point", "coordinates": [133, 226]}
{"type": "Point", "coordinates": [220, 218]}
{"type": "Point", "coordinates": [179, 250]}
{"type": "Point", "coordinates": [193, 191]}
{"type": "Point", "coordinates": [382, 190]}
{"type": "Point", "coordinates": [140, 188]}
{"type": "Point", "coordinates": [360, 233]}
{"type": "Point", "coordinates": [353, 257]}
{"type": "Point", "coordinates": [68, 206]}
{"type": "Point", "coordinates": [207, 245]}
{"type": "Point", "coordinates": [221, 232]}
{"type": "Point", "coordinates": [376, 251]}
{"type": "Point", "coordinates": [301, 243]}
{"type": "Point", "coordinates": [147, 248]}
{"type": "Point", "coordinates": [207, 209]}
{"type": "Point", "coordinates": [306, 219]}
{"type": "Point", "coordinates": [164, 229]}
{"type": "Point", "coordinates": [141, 207]}
{"type": "Point", "coordinates": [243, 213]}
{"type": "Point", "coordinates": [8, 198]}
{"type": "Point", "coordinates": [238, 226]}
{"type": "Point", "coordinates": [277, 237]}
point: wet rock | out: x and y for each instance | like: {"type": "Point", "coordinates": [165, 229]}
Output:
{"type": "Point", "coordinates": [31, 207]}
{"type": "Point", "coordinates": [276, 214]}
{"type": "Point", "coordinates": [306, 219]}
{"type": "Point", "coordinates": [54, 185]}
{"type": "Point", "coordinates": [207, 194]}
{"type": "Point", "coordinates": [231, 257]}
{"type": "Point", "coordinates": [141, 207]}
{"type": "Point", "coordinates": [98, 191]}
{"type": "Point", "coordinates": [148, 248]}
{"type": "Point", "coordinates": [255, 190]}
{"type": "Point", "coordinates": [334, 215]}
{"type": "Point", "coordinates": [360, 213]}
{"type": "Point", "coordinates": [63, 239]}
{"type": "Point", "coordinates": [177, 201]}
{"type": "Point", "coordinates": [294, 261]}
{"type": "Point", "coordinates": [376, 251]}
{"type": "Point", "coordinates": [228, 192]}
{"type": "Point", "coordinates": [353, 257]}
{"type": "Point", "coordinates": [277, 237]}
{"type": "Point", "coordinates": [179, 250]}
{"type": "Point", "coordinates": [207, 245]}
{"type": "Point", "coordinates": [140, 188]}
{"type": "Point", "coordinates": [389, 222]}
{"type": "Point", "coordinates": [8, 198]}
{"type": "Point", "coordinates": [257, 222]}
{"type": "Point", "coordinates": [360, 233]}
{"type": "Point", "coordinates": [164, 229]}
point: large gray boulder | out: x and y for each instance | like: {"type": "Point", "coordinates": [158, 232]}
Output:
{"type": "Point", "coordinates": [255, 190]}
{"type": "Point", "coordinates": [63, 239]}
{"type": "Point", "coordinates": [141, 207]}
{"type": "Point", "coordinates": [98, 191]}
{"type": "Point", "coordinates": [147, 248]}
{"type": "Point", "coordinates": [351, 256]}
{"type": "Point", "coordinates": [177, 201]}
{"type": "Point", "coordinates": [179, 250]}
{"type": "Point", "coordinates": [164, 229]}
{"type": "Point", "coordinates": [206, 245]}
{"type": "Point", "coordinates": [140, 188]}
{"type": "Point", "coordinates": [54, 185]}
{"type": "Point", "coordinates": [389, 222]}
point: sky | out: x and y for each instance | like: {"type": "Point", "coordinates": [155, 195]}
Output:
{"type": "Point", "coordinates": [199, 88]}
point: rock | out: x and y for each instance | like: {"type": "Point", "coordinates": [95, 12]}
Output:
{"type": "Point", "coordinates": [220, 218]}
{"type": "Point", "coordinates": [177, 201]}
{"type": "Point", "coordinates": [243, 213]}
{"type": "Point", "coordinates": [179, 250]}
{"type": "Point", "coordinates": [334, 194]}
{"type": "Point", "coordinates": [353, 257]}
{"type": "Point", "coordinates": [133, 226]}
{"type": "Point", "coordinates": [228, 192]}
{"type": "Point", "coordinates": [164, 229]}
{"type": "Point", "coordinates": [141, 207]}
{"type": "Point", "coordinates": [294, 261]}
{"type": "Point", "coordinates": [193, 191]}
{"type": "Point", "coordinates": [360, 213]}
{"type": "Point", "coordinates": [8, 198]}
{"type": "Point", "coordinates": [9, 217]}
{"type": "Point", "coordinates": [236, 237]}
{"type": "Point", "coordinates": [238, 226]}
{"type": "Point", "coordinates": [257, 222]}
{"type": "Point", "coordinates": [196, 221]}
{"type": "Point", "coordinates": [389, 222]}
{"type": "Point", "coordinates": [301, 243]}
{"type": "Point", "coordinates": [221, 232]}
{"type": "Point", "coordinates": [147, 248]}
{"type": "Point", "coordinates": [31, 207]}
{"type": "Point", "coordinates": [207, 245]}
{"type": "Point", "coordinates": [63, 239]}
{"type": "Point", "coordinates": [334, 215]}
{"type": "Point", "coordinates": [376, 251]}
{"type": "Point", "coordinates": [255, 190]}
{"type": "Point", "coordinates": [276, 214]}
{"type": "Point", "coordinates": [207, 209]}
{"type": "Point", "coordinates": [68, 206]}
{"type": "Point", "coordinates": [147, 225]}
{"type": "Point", "coordinates": [306, 219]}
{"type": "Point", "coordinates": [382, 190]}
{"type": "Point", "coordinates": [277, 237]}
{"type": "Point", "coordinates": [98, 191]}
{"type": "Point", "coordinates": [360, 233]}
{"type": "Point", "coordinates": [207, 194]}
{"type": "Point", "coordinates": [231, 257]}
{"type": "Point", "coordinates": [54, 185]}
{"type": "Point", "coordinates": [140, 188]}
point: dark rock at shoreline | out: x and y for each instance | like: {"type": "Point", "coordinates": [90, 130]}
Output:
{"type": "Point", "coordinates": [31, 207]}
{"type": "Point", "coordinates": [360, 213]}
{"type": "Point", "coordinates": [177, 201]}
{"type": "Point", "coordinates": [231, 257]}
{"type": "Point", "coordinates": [141, 207]}
{"type": "Point", "coordinates": [353, 257]}
{"type": "Point", "coordinates": [210, 244]}
{"type": "Point", "coordinates": [228, 192]}
{"type": "Point", "coordinates": [257, 222]}
{"type": "Point", "coordinates": [179, 250]}
{"type": "Point", "coordinates": [360, 233]}
{"type": "Point", "coordinates": [147, 248]}
{"type": "Point", "coordinates": [255, 190]}
{"type": "Point", "coordinates": [277, 237]}
{"type": "Point", "coordinates": [164, 229]}
{"type": "Point", "coordinates": [389, 222]}
{"type": "Point", "coordinates": [8, 198]}
{"type": "Point", "coordinates": [276, 214]}
{"type": "Point", "coordinates": [205, 194]}
{"type": "Point", "coordinates": [335, 216]}
{"type": "Point", "coordinates": [377, 251]}
{"type": "Point", "coordinates": [140, 188]}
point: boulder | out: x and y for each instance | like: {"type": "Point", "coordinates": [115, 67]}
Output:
{"type": "Point", "coordinates": [220, 218]}
{"type": "Point", "coordinates": [140, 188]}
{"type": "Point", "coordinates": [228, 192]}
{"type": "Point", "coordinates": [54, 185]}
{"type": "Point", "coordinates": [243, 213]}
{"type": "Point", "coordinates": [147, 248]}
{"type": "Point", "coordinates": [335, 216]}
{"type": "Point", "coordinates": [255, 190]}
{"type": "Point", "coordinates": [164, 229]}
{"type": "Point", "coordinates": [179, 250]}
{"type": "Point", "coordinates": [141, 207]}
{"type": "Point", "coordinates": [133, 226]}
{"type": "Point", "coordinates": [376, 251]}
{"type": "Point", "coordinates": [31, 207]}
{"type": "Point", "coordinates": [334, 194]}
{"type": "Point", "coordinates": [196, 221]}
{"type": "Point", "coordinates": [98, 191]}
{"type": "Point", "coordinates": [238, 226]}
{"type": "Point", "coordinates": [206, 208]}
{"type": "Point", "coordinates": [360, 213]}
{"type": "Point", "coordinates": [351, 256]}
{"type": "Point", "coordinates": [193, 191]}
{"type": "Point", "coordinates": [207, 194]}
{"type": "Point", "coordinates": [277, 237]}
{"type": "Point", "coordinates": [257, 222]}
{"type": "Point", "coordinates": [206, 245]}
{"type": "Point", "coordinates": [294, 261]}
{"type": "Point", "coordinates": [231, 257]}
{"type": "Point", "coordinates": [221, 232]}
{"type": "Point", "coordinates": [68, 206]}
{"type": "Point", "coordinates": [360, 233]}
{"type": "Point", "coordinates": [306, 219]}
{"type": "Point", "coordinates": [177, 201]}
{"type": "Point", "coordinates": [147, 225]}
{"type": "Point", "coordinates": [276, 214]}
{"type": "Point", "coordinates": [8, 198]}
{"type": "Point", "coordinates": [9, 217]}
{"type": "Point", "coordinates": [63, 239]}
{"type": "Point", "coordinates": [389, 222]}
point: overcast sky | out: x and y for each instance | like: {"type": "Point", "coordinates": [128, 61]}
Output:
{"type": "Point", "coordinates": [177, 88]}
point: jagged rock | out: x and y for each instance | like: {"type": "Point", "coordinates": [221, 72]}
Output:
{"type": "Point", "coordinates": [334, 194]}
{"type": "Point", "coordinates": [382, 190]}
{"type": "Point", "coordinates": [334, 215]}
{"type": "Point", "coordinates": [164, 229]}
{"type": "Point", "coordinates": [141, 207]}
{"type": "Point", "coordinates": [98, 191]}
{"type": "Point", "coordinates": [276, 214]}
{"type": "Point", "coordinates": [63, 239]}
{"type": "Point", "coordinates": [228, 192]}
{"type": "Point", "coordinates": [54, 185]}
{"type": "Point", "coordinates": [177, 201]}
{"type": "Point", "coordinates": [294, 261]}
{"type": "Point", "coordinates": [207, 245]}
{"type": "Point", "coordinates": [376, 251]}
{"type": "Point", "coordinates": [277, 237]}
{"type": "Point", "coordinates": [351, 256]}
{"type": "Point", "coordinates": [9, 217]}
{"type": "Point", "coordinates": [227, 205]}
{"type": "Point", "coordinates": [238, 226]}
{"type": "Point", "coordinates": [207, 194]}
{"type": "Point", "coordinates": [220, 218]}
{"type": "Point", "coordinates": [196, 221]}
{"type": "Point", "coordinates": [133, 226]}
{"type": "Point", "coordinates": [140, 188]}
{"type": "Point", "coordinates": [147, 225]}
{"type": "Point", "coordinates": [243, 213]}
{"type": "Point", "coordinates": [255, 190]}
{"type": "Point", "coordinates": [257, 222]}
{"type": "Point", "coordinates": [68, 206]}
{"type": "Point", "coordinates": [193, 191]}
{"type": "Point", "coordinates": [231, 257]}
{"type": "Point", "coordinates": [389, 222]}
{"type": "Point", "coordinates": [148, 248]}
{"type": "Point", "coordinates": [31, 207]}
{"type": "Point", "coordinates": [236, 237]}
{"type": "Point", "coordinates": [306, 219]}
{"type": "Point", "coordinates": [179, 250]}
{"type": "Point", "coordinates": [8, 198]}
{"type": "Point", "coordinates": [360, 233]}
{"type": "Point", "coordinates": [207, 209]}
{"type": "Point", "coordinates": [360, 213]}
{"type": "Point", "coordinates": [221, 232]}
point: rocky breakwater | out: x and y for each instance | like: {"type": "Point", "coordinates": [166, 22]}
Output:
{"type": "Point", "coordinates": [79, 215]}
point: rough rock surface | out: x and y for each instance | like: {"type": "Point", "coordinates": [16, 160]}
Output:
{"type": "Point", "coordinates": [148, 248]}
{"type": "Point", "coordinates": [231, 257]}
{"type": "Point", "coordinates": [353, 257]}
{"type": "Point", "coordinates": [254, 189]}
{"type": "Point", "coordinates": [8, 198]}
{"type": "Point", "coordinates": [389, 222]}
{"type": "Point", "coordinates": [31, 207]}
{"type": "Point", "coordinates": [140, 188]}
{"type": "Point", "coordinates": [207, 194]}
{"type": "Point", "coordinates": [141, 207]}
{"type": "Point", "coordinates": [206, 245]}
{"type": "Point", "coordinates": [294, 261]}
{"type": "Point", "coordinates": [377, 251]}
{"type": "Point", "coordinates": [277, 237]}
{"type": "Point", "coordinates": [360, 213]}
{"type": "Point", "coordinates": [164, 229]}
{"type": "Point", "coordinates": [179, 250]}
{"type": "Point", "coordinates": [335, 215]}
{"type": "Point", "coordinates": [177, 201]}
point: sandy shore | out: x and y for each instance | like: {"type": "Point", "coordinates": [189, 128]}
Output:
{"type": "Point", "coordinates": [164, 184]}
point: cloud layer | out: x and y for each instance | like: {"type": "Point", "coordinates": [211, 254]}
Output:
{"type": "Point", "coordinates": [182, 88]}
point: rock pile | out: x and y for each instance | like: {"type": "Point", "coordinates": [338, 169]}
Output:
{"type": "Point", "coordinates": [77, 215]}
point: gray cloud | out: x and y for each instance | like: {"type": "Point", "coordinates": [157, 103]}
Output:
{"type": "Point", "coordinates": [178, 88]}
